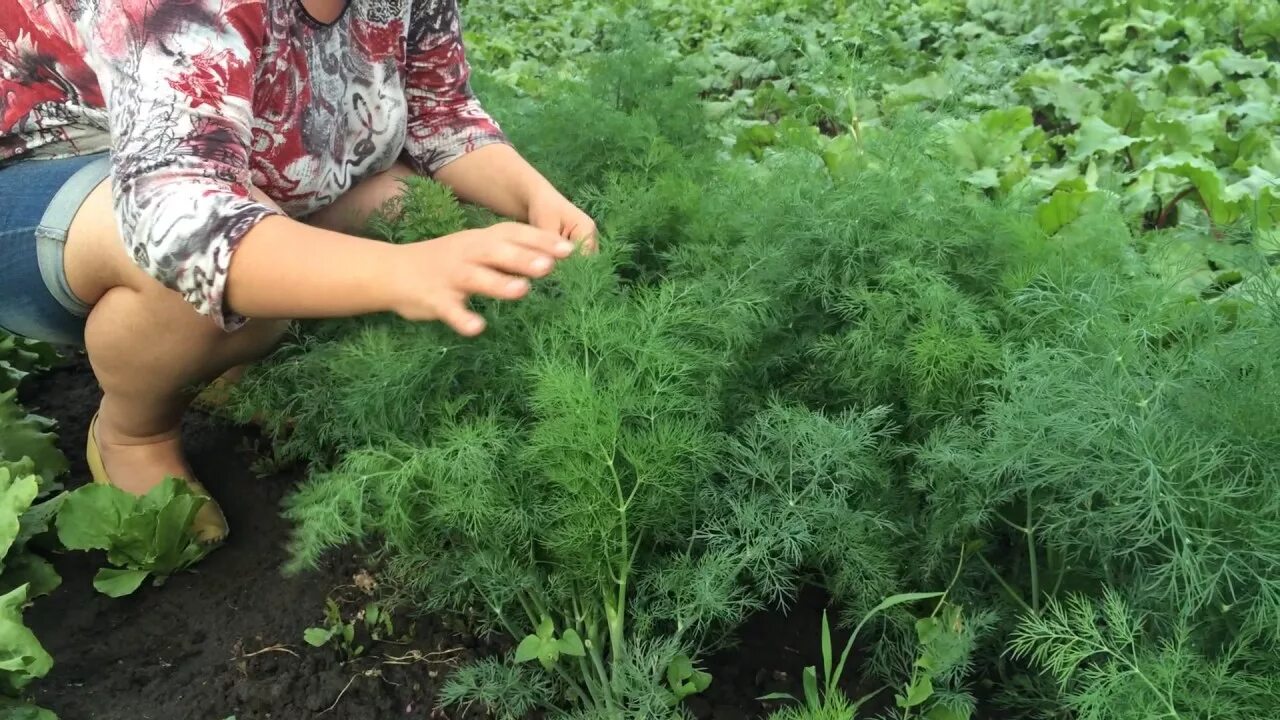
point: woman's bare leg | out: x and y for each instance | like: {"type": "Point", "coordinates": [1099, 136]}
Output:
{"type": "Point", "coordinates": [148, 347]}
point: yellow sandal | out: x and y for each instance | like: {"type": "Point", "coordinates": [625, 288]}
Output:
{"type": "Point", "coordinates": [209, 526]}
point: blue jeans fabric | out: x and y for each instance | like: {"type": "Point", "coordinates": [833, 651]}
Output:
{"type": "Point", "coordinates": [38, 200]}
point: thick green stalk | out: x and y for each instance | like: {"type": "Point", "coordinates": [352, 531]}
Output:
{"type": "Point", "coordinates": [1031, 557]}
{"type": "Point", "coordinates": [1007, 587]}
{"type": "Point", "coordinates": [594, 647]}
{"type": "Point", "coordinates": [616, 617]}
{"type": "Point", "coordinates": [615, 607]}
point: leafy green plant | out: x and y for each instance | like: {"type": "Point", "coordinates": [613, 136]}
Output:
{"type": "Point", "coordinates": [823, 700]}
{"type": "Point", "coordinates": [29, 467]}
{"type": "Point", "coordinates": [340, 632]}
{"type": "Point", "coordinates": [29, 436]}
{"type": "Point", "coordinates": [143, 536]}
{"type": "Point", "coordinates": [22, 658]}
{"type": "Point", "coordinates": [20, 357]}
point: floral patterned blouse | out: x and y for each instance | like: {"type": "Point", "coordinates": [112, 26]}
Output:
{"type": "Point", "coordinates": [199, 99]}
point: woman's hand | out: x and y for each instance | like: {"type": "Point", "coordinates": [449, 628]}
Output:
{"type": "Point", "coordinates": [496, 177]}
{"type": "Point", "coordinates": [551, 211]}
{"type": "Point", "coordinates": [433, 279]}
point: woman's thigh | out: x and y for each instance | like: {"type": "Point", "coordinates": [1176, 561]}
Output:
{"type": "Point", "coordinates": [41, 199]}
{"type": "Point", "coordinates": [97, 260]}
{"type": "Point", "coordinates": [49, 286]}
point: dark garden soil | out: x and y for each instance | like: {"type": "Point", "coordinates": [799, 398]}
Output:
{"type": "Point", "coordinates": [225, 640]}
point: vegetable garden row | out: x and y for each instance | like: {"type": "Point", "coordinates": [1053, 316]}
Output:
{"type": "Point", "coordinates": [965, 312]}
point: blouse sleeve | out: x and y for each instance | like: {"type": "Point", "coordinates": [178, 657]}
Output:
{"type": "Point", "coordinates": [178, 80]}
{"type": "Point", "coordinates": [446, 121]}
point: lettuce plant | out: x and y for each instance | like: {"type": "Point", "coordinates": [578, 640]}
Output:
{"type": "Point", "coordinates": [143, 536]}
{"type": "Point", "coordinates": [22, 658]}
{"type": "Point", "coordinates": [29, 467]}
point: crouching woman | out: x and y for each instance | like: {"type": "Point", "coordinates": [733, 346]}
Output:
{"type": "Point", "coordinates": [180, 178]}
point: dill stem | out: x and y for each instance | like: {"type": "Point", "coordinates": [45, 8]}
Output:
{"type": "Point", "coordinates": [1007, 588]}
{"type": "Point", "coordinates": [529, 609]}
{"type": "Point", "coordinates": [1133, 668]}
{"type": "Point", "coordinates": [604, 675]}
{"type": "Point", "coordinates": [575, 687]}
{"type": "Point", "coordinates": [599, 696]}
{"type": "Point", "coordinates": [497, 609]}
{"type": "Point", "coordinates": [1031, 557]}
{"type": "Point", "coordinates": [1062, 571]}
{"type": "Point", "coordinates": [615, 610]}
{"type": "Point", "coordinates": [614, 616]}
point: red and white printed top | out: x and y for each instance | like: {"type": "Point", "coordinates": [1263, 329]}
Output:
{"type": "Point", "coordinates": [198, 99]}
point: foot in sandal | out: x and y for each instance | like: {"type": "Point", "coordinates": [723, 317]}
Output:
{"type": "Point", "coordinates": [136, 465]}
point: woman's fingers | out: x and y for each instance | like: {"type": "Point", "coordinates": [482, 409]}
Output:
{"type": "Point", "coordinates": [511, 257]}
{"type": "Point", "coordinates": [455, 314]}
{"type": "Point", "coordinates": [481, 280]}
{"type": "Point", "coordinates": [537, 239]}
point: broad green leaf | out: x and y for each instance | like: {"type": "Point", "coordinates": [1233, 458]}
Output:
{"type": "Point", "coordinates": [701, 680]}
{"type": "Point", "coordinates": [22, 658]}
{"type": "Point", "coordinates": [16, 494]}
{"type": "Point", "coordinates": [684, 679]}
{"type": "Point", "coordinates": [1056, 88]}
{"type": "Point", "coordinates": [529, 649]}
{"type": "Point", "coordinates": [1124, 111]}
{"type": "Point", "coordinates": [842, 155]}
{"type": "Point", "coordinates": [918, 692]}
{"type": "Point", "coordinates": [929, 87]}
{"type": "Point", "coordinates": [1223, 206]}
{"type": "Point", "coordinates": [1061, 209]}
{"type": "Point", "coordinates": [30, 436]}
{"type": "Point", "coordinates": [162, 494]}
{"type": "Point", "coordinates": [14, 709]}
{"type": "Point", "coordinates": [571, 644]}
{"type": "Point", "coordinates": [19, 357]}
{"type": "Point", "coordinates": [985, 178]}
{"type": "Point", "coordinates": [116, 583]}
{"type": "Point", "coordinates": [1096, 137]}
{"type": "Point", "coordinates": [316, 636]}
{"type": "Point", "coordinates": [37, 573]}
{"type": "Point", "coordinates": [173, 533]}
{"type": "Point", "coordinates": [135, 544]}
{"type": "Point", "coordinates": [38, 519]}
{"type": "Point", "coordinates": [927, 630]}
{"type": "Point", "coordinates": [91, 516]}
{"type": "Point", "coordinates": [546, 629]}
{"type": "Point", "coordinates": [992, 138]}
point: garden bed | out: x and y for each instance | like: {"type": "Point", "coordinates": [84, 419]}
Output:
{"type": "Point", "coordinates": [226, 640]}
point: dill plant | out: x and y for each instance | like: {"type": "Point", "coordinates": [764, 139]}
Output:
{"type": "Point", "coordinates": [778, 373]}
{"type": "Point", "coordinates": [585, 477]}
{"type": "Point", "coordinates": [599, 495]}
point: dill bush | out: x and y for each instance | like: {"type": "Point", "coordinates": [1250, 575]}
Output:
{"type": "Point", "coordinates": [776, 373]}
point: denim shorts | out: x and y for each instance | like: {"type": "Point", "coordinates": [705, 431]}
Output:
{"type": "Point", "coordinates": [40, 199]}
